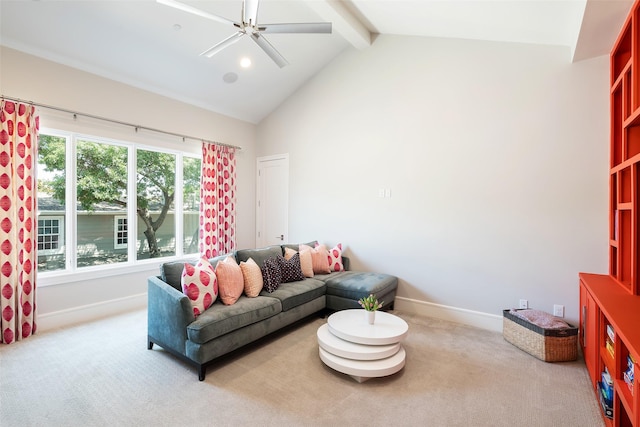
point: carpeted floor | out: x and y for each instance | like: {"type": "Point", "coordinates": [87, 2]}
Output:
{"type": "Point", "coordinates": [101, 374]}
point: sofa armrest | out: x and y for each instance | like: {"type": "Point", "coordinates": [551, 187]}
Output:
{"type": "Point", "coordinates": [346, 263]}
{"type": "Point", "coordinates": [169, 312]}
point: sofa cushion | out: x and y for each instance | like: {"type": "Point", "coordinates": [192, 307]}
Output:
{"type": "Point", "coordinates": [259, 255]}
{"type": "Point", "coordinates": [290, 270]}
{"type": "Point", "coordinates": [271, 274]}
{"type": "Point", "coordinates": [200, 284]}
{"type": "Point", "coordinates": [296, 246]}
{"type": "Point", "coordinates": [335, 258]}
{"type": "Point", "coordinates": [252, 276]}
{"type": "Point", "coordinates": [171, 272]}
{"type": "Point", "coordinates": [319, 257]}
{"type": "Point", "coordinates": [294, 294]}
{"type": "Point", "coordinates": [306, 263]}
{"type": "Point", "coordinates": [221, 319]}
{"type": "Point", "coordinates": [356, 284]}
{"type": "Point", "coordinates": [230, 280]}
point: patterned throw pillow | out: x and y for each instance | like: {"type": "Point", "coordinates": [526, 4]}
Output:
{"type": "Point", "coordinates": [230, 280]}
{"type": "Point", "coordinates": [319, 257]}
{"type": "Point", "coordinates": [271, 274]}
{"type": "Point", "coordinates": [335, 258]}
{"type": "Point", "coordinates": [306, 264]}
{"type": "Point", "coordinates": [290, 269]}
{"type": "Point", "coordinates": [200, 285]}
{"type": "Point", "coordinates": [252, 275]}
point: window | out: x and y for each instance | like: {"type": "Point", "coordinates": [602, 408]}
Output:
{"type": "Point", "coordinates": [156, 188]}
{"type": "Point", "coordinates": [101, 193]}
{"type": "Point", "coordinates": [121, 233]}
{"type": "Point", "coordinates": [50, 234]}
{"type": "Point", "coordinates": [107, 176]}
{"type": "Point", "coordinates": [51, 202]}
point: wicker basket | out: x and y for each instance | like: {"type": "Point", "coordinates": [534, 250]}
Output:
{"type": "Point", "coordinates": [550, 345]}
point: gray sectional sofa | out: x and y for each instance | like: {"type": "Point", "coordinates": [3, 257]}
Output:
{"type": "Point", "coordinates": [222, 329]}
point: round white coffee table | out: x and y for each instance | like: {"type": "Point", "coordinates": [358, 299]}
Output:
{"type": "Point", "coordinates": [349, 344]}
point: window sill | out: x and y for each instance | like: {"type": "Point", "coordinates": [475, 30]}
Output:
{"type": "Point", "coordinates": [89, 273]}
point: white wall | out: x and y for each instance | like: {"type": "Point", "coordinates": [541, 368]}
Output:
{"type": "Point", "coordinates": [30, 78]}
{"type": "Point", "coordinates": [496, 156]}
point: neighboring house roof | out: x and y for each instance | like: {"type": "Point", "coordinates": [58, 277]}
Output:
{"type": "Point", "coordinates": [46, 203]}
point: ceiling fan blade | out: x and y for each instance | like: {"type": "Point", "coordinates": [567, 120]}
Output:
{"type": "Point", "coordinates": [269, 50]}
{"type": "Point", "coordinates": [250, 12]}
{"type": "Point", "coordinates": [224, 43]}
{"type": "Point", "coordinates": [193, 10]}
{"type": "Point", "coordinates": [311, 28]}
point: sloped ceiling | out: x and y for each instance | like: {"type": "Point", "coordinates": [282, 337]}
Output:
{"type": "Point", "coordinates": [154, 47]}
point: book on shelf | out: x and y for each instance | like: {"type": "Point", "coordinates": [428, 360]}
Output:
{"type": "Point", "coordinates": [628, 379]}
{"type": "Point", "coordinates": [607, 384]}
{"type": "Point", "coordinates": [610, 347]}
{"type": "Point", "coordinates": [629, 373]}
{"type": "Point", "coordinates": [607, 405]}
{"type": "Point", "coordinates": [610, 333]}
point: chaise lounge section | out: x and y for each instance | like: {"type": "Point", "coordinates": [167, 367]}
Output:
{"type": "Point", "coordinates": [221, 328]}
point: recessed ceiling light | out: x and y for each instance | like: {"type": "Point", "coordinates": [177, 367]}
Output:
{"type": "Point", "coordinates": [177, 27]}
{"type": "Point", "coordinates": [230, 77]}
{"type": "Point", "coordinates": [245, 62]}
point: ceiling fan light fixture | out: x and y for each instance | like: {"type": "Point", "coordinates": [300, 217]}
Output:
{"type": "Point", "coordinates": [249, 26]}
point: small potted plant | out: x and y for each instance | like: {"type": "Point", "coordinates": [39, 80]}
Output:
{"type": "Point", "coordinates": [370, 305]}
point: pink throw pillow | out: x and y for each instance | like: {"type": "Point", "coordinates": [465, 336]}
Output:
{"type": "Point", "coordinates": [319, 258]}
{"type": "Point", "coordinates": [200, 285]}
{"type": "Point", "coordinates": [230, 280]}
{"type": "Point", "coordinates": [335, 258]}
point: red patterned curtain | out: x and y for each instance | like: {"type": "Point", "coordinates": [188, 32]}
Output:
{"type": "Point", "coordinates": [18, 226]}
{"type": "Point", "coordinates": [217, 200]}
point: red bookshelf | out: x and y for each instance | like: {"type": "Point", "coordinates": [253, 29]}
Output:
{"type": "Point", "coordinates": [610, 304]}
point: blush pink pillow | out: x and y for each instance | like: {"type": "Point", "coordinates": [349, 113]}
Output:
{"type": "Point", "coordinates": [200, 285]}
{"type": "Point", "coordinates": [319, 258]}
{"type": "Point", "coordinates": [230, 280]}
{"type": "Point", "coordinates": [335, 258]}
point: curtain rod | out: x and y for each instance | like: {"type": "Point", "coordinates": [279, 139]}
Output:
{"type": "Point", "coordinates": [136, 127]}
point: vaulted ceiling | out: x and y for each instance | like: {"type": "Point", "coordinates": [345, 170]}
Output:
{"type": "Point", "coordinates": [154, 47]}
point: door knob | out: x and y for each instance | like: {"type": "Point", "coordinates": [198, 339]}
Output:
{"type": "Point", "coordinates": [281, 237]}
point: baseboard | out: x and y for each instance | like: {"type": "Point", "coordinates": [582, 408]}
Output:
{"type": "Point", "coordinates": [89, 312]}
{"type": "Point", "coordinates": [478, 319]}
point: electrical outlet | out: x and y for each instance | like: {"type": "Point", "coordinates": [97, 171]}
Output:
{"type": "Point", "coordinates": [558, 310]}
{"type": "Point", "coordinates": [524, 303]}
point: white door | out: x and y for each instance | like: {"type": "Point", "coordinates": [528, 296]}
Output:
{"type": "Point", "coordinates": [272, 204]}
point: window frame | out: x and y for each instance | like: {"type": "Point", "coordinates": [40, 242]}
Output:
{"type": "Point", "coordinates": [116, 231]}
{"type": "Point", "coordinates": [74, 273]}
{"type": "Point", "coordinates": [60, 235]}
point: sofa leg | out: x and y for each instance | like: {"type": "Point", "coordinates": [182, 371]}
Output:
{"type": "Point", "coordinates": [202, 370]}
{"type": "Point", "coordinates": [149, 344]}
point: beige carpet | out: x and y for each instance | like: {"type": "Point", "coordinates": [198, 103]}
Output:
{"type": "Point", "coordinates": [101, 374]}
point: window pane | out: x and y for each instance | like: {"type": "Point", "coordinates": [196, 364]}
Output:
{"type": "Point", "coordinates": [51, 202]}
{"type": "Point", "coordinates": [156, 177]}
{"type": "Point", "coordinates": [102, 195]}
{"type": "Point", "coordinates": [121, 232]}
{"type": "Point", "coordinates": [191, 204]}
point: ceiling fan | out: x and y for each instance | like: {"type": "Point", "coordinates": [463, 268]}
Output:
{"type": "Point", "coordinates": [249, 27]}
